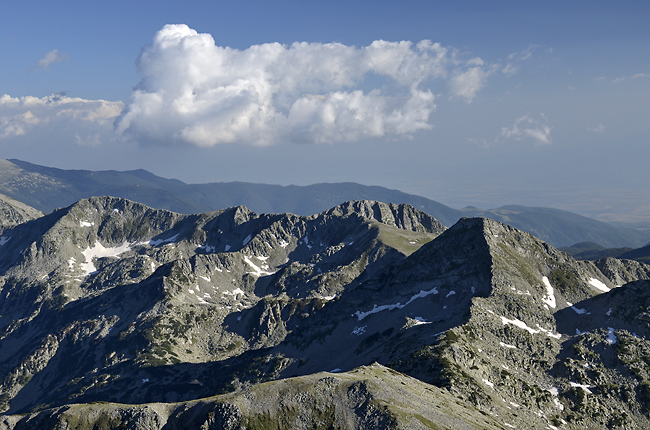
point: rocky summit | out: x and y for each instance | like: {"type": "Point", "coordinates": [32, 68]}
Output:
{"type": "Point", "coordinates": [367, 315]}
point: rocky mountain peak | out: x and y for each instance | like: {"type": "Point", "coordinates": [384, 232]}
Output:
{"type": "Point", "coordinates": [112, 301]}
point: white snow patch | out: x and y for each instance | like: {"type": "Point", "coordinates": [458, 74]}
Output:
{"type": "Point", "coordinates": [584, 387]}
{"type": "Point", "coordinates": [524, 326]}
{"type": "Point", "coordinates": [578, 332]}
{"type": "Point", "coordinates": [98, 251]}
{"type": "Point", "coordinates": [160, 241]}
{"type": "Point", "coordinates": [611, 337]}
{"type": "Point", "coordinates": [205, 277]}
{"type": "Point", "coordinates": [86, 224]}
{"type": "Point", "coordinates": [71, 262]}
{"type": "Point", "coordinates": [579, 311]}
{"type": "Point", "coordinates": [4, 240]}
{"type": "Point", "coordinates": [451, 293]}
{"type": "Point", "coordinates": [506, 424]}
{"type": "Point", "coordinates": [335, 370]}
{"type": "Point", "coordinates": [361, 315]}
{"type": "Point", "coordinates": [488, 383]}
{"type": "Point", "coordinates": [235, 292]}
{"type": "Point", "coordinates": [597, 284]}
{"type": "Point", "coordinates": [257, 271]}
{"type": "Point", "coordinates": [284, 244]}
{"type": "Point", "coordinates": [116, 211]}
{"type": "Point", "coordinates": [350, 243]}
{"type": "Point", "coordinates": [420, 321]}
{"type": "Point", "coordinates": [227, 248]}
{"type": "Point", "coordinates": [552, 427]}
{"type": "Point", "coordinates": [246, 240]}
{"type": "Point", "coordinates": [328, 298]}
{"type": "Point", "coordinates": [359, 330]}
{"type": "Point", "coordinates": [549, 299]}
{"type": "Point", "coordinates": [262, 258]}
{"type": "Point", "coordinates": [514, 404]}
{"type": "Point", "coordinates": [609, 312]}
{"type": "Point", "coordinates": [505, 345]}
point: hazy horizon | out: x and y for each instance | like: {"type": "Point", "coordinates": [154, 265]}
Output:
{"type": "Point", "coordinates": [467, 103]}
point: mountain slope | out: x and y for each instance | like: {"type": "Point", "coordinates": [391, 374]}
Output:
{"type": "Point", "coordinates": [13, 212]}
{"type": "Point", "coordinates": [111, 301]}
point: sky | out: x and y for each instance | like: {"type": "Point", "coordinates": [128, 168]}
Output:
{"type": "Point", "coordinates": [465, 102]}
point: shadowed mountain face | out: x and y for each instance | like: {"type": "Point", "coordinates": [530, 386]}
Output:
{"type": "Point", "coordinates": [367, 315]}
{"type": "Point", "coordinates": [48, 188]}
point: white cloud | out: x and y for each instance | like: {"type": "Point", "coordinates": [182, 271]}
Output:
{"type": "Point", "coordinates": [527, 127]}
{"type": "Point", "coordinates": [598, 129]}
{"type": "Point", "coordinates": [516, 58]}
{"type": "Point", "coordinates": [635, 76]}
{"type": "Point", "coordinates": [19, 116]}
{"type": "Point", "coordinates": [54, 56]}
{"type": "Point", "coordinates": [196, 92]}
{"type": "Point", "coordinates": [466, 84]}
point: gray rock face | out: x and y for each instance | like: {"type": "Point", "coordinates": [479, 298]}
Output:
{"type": "Point", "coordinates": [111, 301]}
{"type": "Point", "coordinates": [13, 212]}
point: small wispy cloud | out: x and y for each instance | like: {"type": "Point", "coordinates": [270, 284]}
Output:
{"type": "Point", "coordinates": [515, 59]}
{"type": "Point", "coordinates": [631, 77]}
{"type": "Point", "coordinates": [467, 83]}
{"type": "Point", "coordinates": [54, 56]}
{"type": "Point", "coordinates": [600, 128]}
{"type": "Point", "coordinates": [527, 127]}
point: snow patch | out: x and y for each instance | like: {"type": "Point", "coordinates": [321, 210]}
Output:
{"type": "Point", "coordinates": [361, 315]}
{"type": "Point", "coordinates": [227, 248]}
{"type": "Point", "coordinates": [584, 387]}
{"type": "Point", "coordinates": [257, 271]}
{"type": "Point", "coordinates": [505, 345]}
{"type": "Point", "coordinates": [4, 240]}
{"type": "Point", "coordinates": [522, 325]}
{"type": "Point", "coordinates": [488, 383]}
{"type": "Point", "coordinates": [597, 284]}
{"type": "Point", "coordinates": [359, 330]}
{"type": "Point", "coordinates": [205, 277]}
{"type": "Point", "coordinates": [609, 312]}
{"type": "Point", "coordinates": [86, 224]}
{"type": "Point", "coordinates": [246, 240]}
{"type": "Point", "coordinates": [451, 293]}
{"type": "Point", "coordinates": [420, 321]}
{"type": "Point", "coordinates": [579, 311]}
{"type": "Point", "coordinates": [549, 299]}
{"type": "Point", "coordinates": [235, 293]}
{"type": "Point", "coordinates": [283, 244]}
{"type": "Point", "coordinates": [611, 337]}
{"type": "Point", "coordinates": [98, 251]}
{"type": "Point", "coordinates": [161, 241]}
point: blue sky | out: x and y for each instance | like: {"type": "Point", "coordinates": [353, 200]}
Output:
{"type": "Point", "coordinates": [469, 102]}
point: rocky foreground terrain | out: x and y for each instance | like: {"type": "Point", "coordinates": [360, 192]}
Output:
{"type": "Point", "coordinates": [368, 315]}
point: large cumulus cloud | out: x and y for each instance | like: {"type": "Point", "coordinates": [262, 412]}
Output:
{"type": "Point", "coordinates": [196, 92]}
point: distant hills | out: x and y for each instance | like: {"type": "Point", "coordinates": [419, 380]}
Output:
{"type": "Point", "coordinates": [47, 188]}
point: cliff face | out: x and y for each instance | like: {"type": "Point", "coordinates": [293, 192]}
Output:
{"type": "Point", "coordinates": [480, 325]}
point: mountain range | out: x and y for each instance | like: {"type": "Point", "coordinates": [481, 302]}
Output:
{"type": "Point", "coordinates": [46, 189]}
{"type": "Point", "coordinates": [366, 315]}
